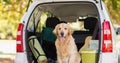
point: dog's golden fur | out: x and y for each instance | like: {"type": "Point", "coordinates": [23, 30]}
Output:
{"type": "Point", "coordinates": [65, 45]}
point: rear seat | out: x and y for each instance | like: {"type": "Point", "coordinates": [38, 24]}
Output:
{"type": "Point", "coordinates": [49, 38]}
{"type": "Point", "coordinates": [80, 36]}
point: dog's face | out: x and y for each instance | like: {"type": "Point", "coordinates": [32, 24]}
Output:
{"type": "Point", "coordinates": [63, 30]}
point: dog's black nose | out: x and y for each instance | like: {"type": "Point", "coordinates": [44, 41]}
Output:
{"type": "Point", "coordinates": [62, 34]}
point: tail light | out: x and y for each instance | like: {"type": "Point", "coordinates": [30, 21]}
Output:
{"type": "Point", "coordinates": [19, 39]}
{"type": "Point", "coordinates": [107, 37]}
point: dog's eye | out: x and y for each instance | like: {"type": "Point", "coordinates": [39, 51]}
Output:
{"type": "Point", "coordinates": [59, 28]}
{"type": "Point", "coordinates": [65, 28]}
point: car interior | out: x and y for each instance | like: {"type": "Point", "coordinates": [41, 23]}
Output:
{"type": "Point", "coordinates": [83, 23]}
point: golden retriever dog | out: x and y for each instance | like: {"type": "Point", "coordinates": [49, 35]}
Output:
{"type": "Point", "coordinates": [65, 45]}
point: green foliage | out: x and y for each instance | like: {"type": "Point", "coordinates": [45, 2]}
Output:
{"type": "Point", "coordinates": [113, 8]}
{"type": "Point", "coordinates": [114, 4]}
{"type": "Point", "coordinates": [11, 12]}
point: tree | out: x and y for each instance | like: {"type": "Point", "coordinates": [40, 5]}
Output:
{"type": "Point", "coordinates": [11, 12]}
{"type": "Point", "coordinates": [114, 7]}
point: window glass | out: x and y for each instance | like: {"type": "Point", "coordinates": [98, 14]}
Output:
{"type": "Point", "coordinates": [79, 25]}
{"type": "Point", "coordinates": [32, 20]}
{"type": "Point", "coordinates": [42, 21]}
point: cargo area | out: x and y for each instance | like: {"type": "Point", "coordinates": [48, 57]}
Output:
{"type": "Point", "coordinates": [83, 17]}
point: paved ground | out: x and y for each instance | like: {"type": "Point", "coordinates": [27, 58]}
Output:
{"type": "Point", "coordinates": [7, 51]}
{"type": "Point", "coordinates": [6, 60]}
{"type": "Point", "coordinates": [8, 46]}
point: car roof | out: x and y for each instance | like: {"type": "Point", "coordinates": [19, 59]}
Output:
{"type": "Point", "coordinates": [74, 14]}
{"type": "Point", "coordinates": [69, 14]}
{"type": "Point", "coordinates": [43, 1]}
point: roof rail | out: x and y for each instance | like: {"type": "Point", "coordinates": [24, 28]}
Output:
{"type": "Point", "coordinates": [29, 1]}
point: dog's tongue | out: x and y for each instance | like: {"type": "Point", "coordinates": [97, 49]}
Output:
{"type": "Point", "coordinates": [62, 39]}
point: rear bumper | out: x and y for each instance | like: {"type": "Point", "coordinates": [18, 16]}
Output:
{"type": "Point", "coordinates": [21, 58]}
{"type": "Point", "coordinates": [109, 58]}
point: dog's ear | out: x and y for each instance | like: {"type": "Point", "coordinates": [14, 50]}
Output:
{"type": "Point", "coordinates": [55, 30]}
{"type": "Point", "coordinates": [70, 31]}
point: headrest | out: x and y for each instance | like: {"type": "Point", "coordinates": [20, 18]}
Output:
{"type": "Point", "coordinates": [52, 22]}
{"type": "Point", "coordinates": [90, 23]}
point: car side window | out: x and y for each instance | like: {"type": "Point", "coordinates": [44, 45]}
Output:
{"type": "Point", "coordinates": [42, 21]}
{"type": "Point", "coordinates": [33, 20]}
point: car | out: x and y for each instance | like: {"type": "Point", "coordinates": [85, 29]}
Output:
{"type": "Point", "coordinates": [118, 30]}
{"type": "Point", "coordinates": [86, 17]}
{"type": "Point", "coordinates": [118, 38]}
